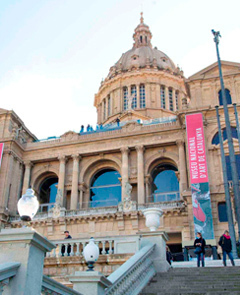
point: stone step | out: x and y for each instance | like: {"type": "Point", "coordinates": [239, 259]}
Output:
{"type": "Point", "coordinates": [186, 281]}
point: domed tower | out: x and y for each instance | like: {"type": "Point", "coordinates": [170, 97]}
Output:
{"type": "Point", "coordinates": [143, 84]}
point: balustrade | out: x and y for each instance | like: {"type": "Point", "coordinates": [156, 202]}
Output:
{"type": "Point", "coordinates": [133, 275]}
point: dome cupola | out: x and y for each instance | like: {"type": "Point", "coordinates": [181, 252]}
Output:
{"type": "Point", "coordinates": [142, 35]}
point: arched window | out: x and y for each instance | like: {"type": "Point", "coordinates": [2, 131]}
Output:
{"type": "Point", "coordinates": [105, 189]}
{"type": "Point", "coordinates": [163, 102]}
{"type": "Point", "coordinates": [215, 139]}
{"type": "Point", "coordinates": [141, 39]}
{"type": "Point", "coordinates": [176, 99]}
{"type": "Point", "coordinates": [125, 98]}
{"type": "Point", "coordinates": [228, 97]}
{"type": "Point", "coordinates": [134, 94]}
{"type": "Point", "coordinates": [222, 212]}
{"type": "Point", "coordinates": [48, 193]}
{"type": "Point", "coordinates": [170, 96]}
{"type": "Point", "coordinates": [165, 185]}
{"type": "Point", "coordinates": [142, 96]}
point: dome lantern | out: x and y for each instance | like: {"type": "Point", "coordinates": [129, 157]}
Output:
{"type": "Point", "coordinates": [142, 35]}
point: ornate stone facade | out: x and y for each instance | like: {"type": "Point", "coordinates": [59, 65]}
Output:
{"type": "Point", "coordinates": [141, 87]}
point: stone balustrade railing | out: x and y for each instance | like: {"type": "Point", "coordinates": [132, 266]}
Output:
{"type": "Point", "coordinates": [7, 271]}
{"type": "Point", "coordinates": [107, 245]}
{"type": "Point", "coordinates": [134, 274]}
{"type": "Point", "coordinates": [50, 286]}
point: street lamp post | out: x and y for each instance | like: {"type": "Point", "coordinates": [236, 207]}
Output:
{"type": "Point", "coordinates": [237, 123]}
{"type": "Point", "coordinates": [226, 189]}
{"type": "Point", "coordinates": [229, 136]}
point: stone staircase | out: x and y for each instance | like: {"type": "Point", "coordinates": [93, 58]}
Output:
{"type": "Point", "coordinates": [196, 281]}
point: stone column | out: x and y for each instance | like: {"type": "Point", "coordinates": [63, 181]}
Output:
{"type": "Point", "coordinates": [75, 175]}
{"type": "Point", "coordinates": [174, 100]}
{"type": "Point", "coordinates": [166, 98]}
{"type": "Point", "coordinates": [27, 174]}
{"type": "Point", "coordinates": [125, 173]}
{"type": "Point", "coordinates": [61, 178]}
{"type": "Point", "coordinates": [138, 95]}
{"type": "Point", "coordinates": [140, 174]}
{"type": "Point", "coordinates": [182, 165]}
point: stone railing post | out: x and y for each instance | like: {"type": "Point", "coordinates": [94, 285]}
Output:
{"type": "Point", "coordinates": [27, 175]}
{"type": "Point", "coordinates": [75, 176]}
{"type": "Point", "coordinates": [27, 247]}
{"type": "Point", "coordinates": [182, 165]}
{"type": "Point", "coordinates": [61, 178]}
{"type": "Point", "coordinates": [125, 172]}
{"type": "Point", "coordinates": [140, 174]}
{"type": "Point", "coordinates": [89, 282]}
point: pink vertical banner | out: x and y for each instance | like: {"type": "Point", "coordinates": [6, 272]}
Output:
{"type": "Point", "coordinates": [1, 152]}
{"type": "Point", "coordinates": [201, 202]}
{"type": "Point", "coordinates": [196, 148]}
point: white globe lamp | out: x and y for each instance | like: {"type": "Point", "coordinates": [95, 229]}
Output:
{"type": "Point", "coordinates": [91, 254]}
{"type": "Point", "coordinates": [28, 205]}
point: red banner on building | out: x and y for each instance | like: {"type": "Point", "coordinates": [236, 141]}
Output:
{"type": "Point", "coordinates": [196, 148]}
{"type": "Point", "coordinates": [201, 201]}
{"type": "Point", "coordinates": [1, 152]}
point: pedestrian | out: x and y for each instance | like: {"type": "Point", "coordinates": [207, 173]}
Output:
{"type": "Point", "coordinates": [169, 255]}
{"type": "Point", "coordinates": [200, 244]}
{"type": "Point", "coordinates": [67, 236]}
{"type": "Point", "coordinates": [226, 244]}
{"type": "Point", "coordinates": [82, 129]}
{"type": "Point", "coordinates": [118, 121]}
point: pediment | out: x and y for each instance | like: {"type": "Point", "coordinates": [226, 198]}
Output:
{"type": "Point", "coordinates": [70, 135]}
{"type": "Point", "coordinates": [132, 115]}
{"type": "Point", "coordinates": [228, 68]}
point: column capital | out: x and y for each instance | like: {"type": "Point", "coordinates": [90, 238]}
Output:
{"type": "Point", "coordinates": [28, 164]}
{"type": "Point", "coordinates": [76, 157]}
{"type": "Point", "coordinates": [179, 142]}
{"type": "Point", "coordinates": [140, 148]}
{"type": "Point", "coordinates": [62, 159]}
{"type": "Point", "coordinates": [124, 150]}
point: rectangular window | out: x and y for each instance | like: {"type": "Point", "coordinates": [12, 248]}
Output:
{"type": "Point", "coordinates": [142, 96]}
{"type": "Point", "coordinates": [109, 106]}
{"type": "Point", "coordinates": [176, 99]}
{"type": "Point", "coordinates": [170, 96]}
{"type": "Point", "coordinates": [125, 98]}
{"type": "Point", "coordinates": [222, 212]}
{"type": "Point", "coordinates": [134, 96]}
{"type": "Point", "coordinates": [163, 102]}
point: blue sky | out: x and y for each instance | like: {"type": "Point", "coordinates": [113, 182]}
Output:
{"type": "Point", "coordinates": [54, 53]}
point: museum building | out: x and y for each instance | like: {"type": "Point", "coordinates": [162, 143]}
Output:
{"type": "Point", "coordinates": [138, 150]}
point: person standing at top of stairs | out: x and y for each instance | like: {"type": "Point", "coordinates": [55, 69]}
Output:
{"type": "Point", "coordinates": [200, 244]}
{"type": "Point", "coordinates": [226, 244]}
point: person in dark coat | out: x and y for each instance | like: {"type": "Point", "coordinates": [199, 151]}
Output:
{"type": "Point", "coordinates": [201, 243]}
{"type": "Point", "coordinates": [168, 255]}
{"type": "Point", "coordinates": [226, 244]}
{"type": "Point", "coordinates": [67, 236]}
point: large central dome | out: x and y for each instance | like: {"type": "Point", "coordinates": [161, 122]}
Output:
{"type": "Point", "coordinates": [142, 55]}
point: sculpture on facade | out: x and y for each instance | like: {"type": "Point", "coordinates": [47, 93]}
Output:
{"type": "Point", "coordinates": [130, 100]}
{"type": "Point", "coordinates": [56, 211]}
{"type": "Point", "coordinates": [127, 204]}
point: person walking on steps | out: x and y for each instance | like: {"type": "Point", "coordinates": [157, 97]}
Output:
{"type": "Point", "coordinates": [169, 255]}
{"type": "Point", "coordinates": [199, 245]}
{"type": "Point", "coordinates": [226, 244]}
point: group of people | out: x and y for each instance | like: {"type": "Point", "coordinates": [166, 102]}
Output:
{"type": "Point", "coordinates": [89, 128]}
{"type": "Point", "coordinates": [200, 244]}
{"type": "Point", "coordinates": [225, 243]}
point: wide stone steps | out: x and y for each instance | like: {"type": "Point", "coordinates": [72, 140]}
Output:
{"type": "Point", "coordinates": [196, 281]}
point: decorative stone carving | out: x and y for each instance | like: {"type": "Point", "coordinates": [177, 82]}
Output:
{"type": "Point", "coordinates": [57, 210]}
{"type": "Point", "coordinates": [127, 204]}
{"type": "Point", "coordinates": [152, 216]}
